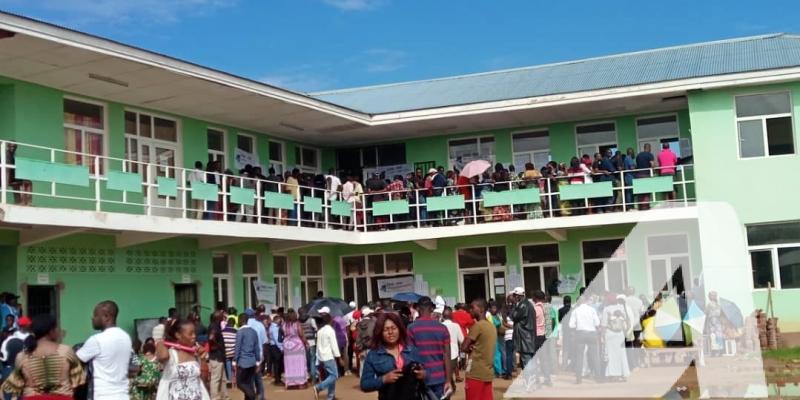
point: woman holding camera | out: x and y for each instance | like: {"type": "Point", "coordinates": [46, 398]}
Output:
{"type": "Point", "coordinates": [392, 367]}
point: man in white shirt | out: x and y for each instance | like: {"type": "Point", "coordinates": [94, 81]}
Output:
{"type": "Point", "coordinates": [109, 352]}
{"type": "Point", "coordinates": [456, 338]}
{"type": "Point", "coordinates": [328, 355]}
{"type": "Point", "coordinates": [6, 357]}
{"type": "Point", "coordinates": [197, 175]}
{"type": "Point", "coordinates": [584, 322]}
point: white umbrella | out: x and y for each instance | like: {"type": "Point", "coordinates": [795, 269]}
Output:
{"type": "Point", "coordinates": [475, 168]}
{"type": "Point", "coordinates": [668, 320]}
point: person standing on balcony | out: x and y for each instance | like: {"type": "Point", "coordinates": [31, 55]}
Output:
{"type": "Point", "coordinates": [22, 187]}
{"type": "Point", "coordinates": [628, 164]}
{"type": "Point", "coordinates": [212, 176]}
{"type": "Point", "coordinates": [293, 188]}
{"type": "Point", "coordinates": [666, 163]}
{"type": "Point", "coordinates": [197, 175]}
{"type": "Point", "coordinates": [435, 184]}
{"type": "Point", "coordinates": [273, 181]}
{"type": "Point", "coordinates": [605, 169]}
{"type": "Point", "coordinates": [249, 178]}
{"type": "Point", "coordinates": [375, 185]}
{"type": "Point", "coordinates": [333, 186]}
{"type": "Point", "coordinates": [644, 164]}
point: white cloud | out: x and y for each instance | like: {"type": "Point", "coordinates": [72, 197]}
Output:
{"type": "Point", "coordinates": [116, 12]}
{"type": "Point", "coordinates": [383, 60]}
{"type": "Point", "coordinates": [355, 5]}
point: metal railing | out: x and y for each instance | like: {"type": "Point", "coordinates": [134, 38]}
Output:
{"type": "Point", "coordinates": [361, 204]}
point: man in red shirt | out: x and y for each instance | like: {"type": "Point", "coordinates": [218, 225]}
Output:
{"type": "Point", "coordinates": [666, 162]}
{"type": "Point", "coordinates": [464, 319]}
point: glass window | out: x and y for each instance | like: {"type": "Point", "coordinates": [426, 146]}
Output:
{"type": "Point", "coordinates": [370, 156]}
{"type": "Point", "coordinates": [245, 143]}
{"type": "Point", "coordinates": [764, 123]}
{"type": "Point", "coordinates": [313, 265]}
{"type": "Point", "coordinates": [596, 134]}
{"type": "Point", "coordinates": [592, 271]}
{"type": "Point", "coordinates": [275, 151]}
{"type": "Point", "coordinates": [531, 141]}
{"type": "Point", "coordinates": [130, 123]}
{"type": "Point", "coordinates": [392, 154]}
{"type": "Point", "coordinates": [375, 264]}
{"type": "Point", "coordinates": [250, 264]}
{"type": "Point", "coordinates": [462, 151]}
{"type": "Point", "coordinates": [354, 265]}
{"type": "Point", "coordinates": [474, 257]}
{"type": "Point", "coordinates": [539, 253]}
{"type": "Point", "coordinates": [399, 262]}
{"type": "Point", "coordinates": [84, 132]}
{"type": "Point", "coordinates": [779, 233]}
{"type": "Point", "coordinates": [761, 261]}
{"type": "Point", "coordinates": [601, 249]}
{"type": "Point", "coordinates": [789, 267]}
{"type": "Point", "coordinates": [309, 157]}
{"type": "Point", "coordinates": [216, 139]}
{"type": "Point", "coordinates": [220, 264]}
{"type": "Point", "coordinates": [83, 114]}
{"type": "Point", "coordinates": [497, 256]}
{"type": "Point", "coordinates": [670, 244]}
{"type": "Point", "coordinates": [656, 127]}
{"type": "Point", "coordinates": [280, 265]}
{"type": "Point", "coordinates": [166, 130]}
{"type": "Point", "coordinates": [348, 159]}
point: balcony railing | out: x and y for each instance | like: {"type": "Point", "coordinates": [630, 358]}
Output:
{"type": "Point", "coordinates": [65, 179]}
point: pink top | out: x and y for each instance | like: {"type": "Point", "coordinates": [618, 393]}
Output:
{"type": "Point", "coordinates": [539, 319]}
{"type": "Point", "coordinates": [667, 160]}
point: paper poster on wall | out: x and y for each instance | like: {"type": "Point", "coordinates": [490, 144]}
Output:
{"type": "Point", "coordinates": [242, 158]}
{"type": "Point", "coordinates": [513, 280]}
{"type": "Point", "coordinates": [265, 291]}
{"type": "Point", "coordinates": [568, 282]}
{"type": "Point", "coordinates": [389, 171]}
{"type": "Point", "coordinates": [389, 287]}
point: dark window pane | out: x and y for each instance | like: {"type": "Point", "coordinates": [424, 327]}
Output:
{"type": "Point", "coordinates": [392, 154]}
{"type": "Point", "coordinates": [314, 265]}
{"type": "Point", "coordinates": [763, 104]}
{"type": "Point", "coordinates": [349, 289]}
{"type": "Point", "coordinates": [220, 264]}
{"type": "Point", "coordinates": [166, 130]}
{"type": "Point", "coordinates": [497, 255]}
{"type": "Point", "coordinates": [551, 280]}
{"type": "Point", "coordinates": [130, 123]}
{"type": "Point", "coordinates": [779, 136]}
{"type": "Point", "coordinates": [592, 271]}
{"type": "Point", "coordinates": [370, 156]}
{"type": "Point", "coordinates": [215, 141]}
{"type": "Point", "coordinates": [375, 264]}
{"type": "Point", "coordinates": [84, 114]}
{"type": "Point", "coordinates": [309, 157]}
{"type": "Point", "coordinates": [244, 143]}
{"type": "Point", "coordinates": [789, 263]}
{"type": "Point", "coordinates": [539, 253]}
{"type": "Point", "coordinates": [347, 159]}
{"type": "Point", "coordinates": [399, 262]}
{"type": "Point", "coordinates": [606, 127]}
{"type": "Point", "coordinates": [781, 233]}
{"type": "Point", "coordinates": [671, 244]}
{"type": "Point", "coordinates": [354, 265]}
{"type": "Point", "coordinates": [361, 286]}
{"type": "Point", "coordinates": [602, 249]}
{"type": "Point", "coordinates": [249, 264]}
{"type": "Point", "coordinates": [474, 257]}
{"type": "Point", "coordinates": [761, 261]}
{"type": "Point", "coordinates": [531, 141]}
{"type": "Point", "coordinates": [275, 151]}
{"type": "Point", "coordinates": [280, 265]}
{"type": "Point", "coordinates": [532, 279]}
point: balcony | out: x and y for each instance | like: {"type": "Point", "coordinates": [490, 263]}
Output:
{"type": "Point", "coordinates": [48, 186]}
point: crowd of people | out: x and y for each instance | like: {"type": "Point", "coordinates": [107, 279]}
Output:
{"type": "Point", "coordinates": [418, 186]}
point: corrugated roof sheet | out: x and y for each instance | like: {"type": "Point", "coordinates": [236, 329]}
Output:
{"type": "Point", "coordinates": [673, 63]}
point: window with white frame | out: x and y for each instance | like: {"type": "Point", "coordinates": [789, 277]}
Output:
{"type": "Point", "coordinates": [221, 270]}
{"type": "Point", "coordinates": [216, 146]}
{"type": "Point", "coordinates": [596, 138]}
{"type": "Point", "coordinates": [307, 159]}
{"type": "Point", "coordinates": [669, 263]}
{"type": "Point", "coordinates": [482, 273]}
{"type": "Point", "coordinates": [280, 268]}
{"type": "Point", "coordinates": [151, 139]}
{"type": "Point", "coordinates": [362, 274]}
{"type": "Point", "coordinates": [276, 157]}
{"type": "Point", "coordinates": [250, 272]}
{"type": "Point", "coordinates": [531, 147]}
{"type": "Point", "coordinates": [540, 264]}
{"type": "Point", "coordinates": [311, 279]}
{"type": "Point", "coordinates": [657, 130]}
{"type": "Point", "coordinates": [462, 151]}
{"type": "Point", "coordinates": [604, 263]}
{"type": "Point", "coordinates": [775, 254]}
{"type": "Point", "coordinates": [764, 122]}
{"type": "Point", "coordinates": [84, 132]}
{"type": "Point", "coordinates": [246, 143]}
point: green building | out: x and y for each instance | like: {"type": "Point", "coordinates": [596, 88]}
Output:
{"type": "Point", "coordinates": [108, 135]}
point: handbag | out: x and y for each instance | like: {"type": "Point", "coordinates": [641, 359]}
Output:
{"type": "Point", "coordinates": [424, 393]}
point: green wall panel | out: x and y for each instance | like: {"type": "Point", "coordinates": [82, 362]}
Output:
{"type": "Point", "coordinates": [167, 186]}
{"type": "Point", "coordinates": [124, 181]}
{"type": "Point", "coordinates": [44, 171]}
{"type": "Point", "coordinates": [341, 208]}
{"type": "Point", "coordinates": [279, 200]}
{"type": "Point", "coordinates": [204, 191]}
{"type": "Point", "coordinates": [656, 184]}
{"type": "Point", "coordinates": [312, 204]}
{"type": "Point", "coordinates": [586, 191]}
{"type": "Point", "coordinates": [440, 203]}
{"type": "Point", "coordinates": [511, 197]}
{"type": "Point", "coordinates": [391, 207]}
{"type": "Point", "coordinates": [244, 196]}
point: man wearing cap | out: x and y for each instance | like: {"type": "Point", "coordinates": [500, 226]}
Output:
{"type": "Point", "coordinates": [522, 314]}
{"type": "Point", "coordinates": [328, 355]}
{"type": "Point", "coordinates": [432, 340]}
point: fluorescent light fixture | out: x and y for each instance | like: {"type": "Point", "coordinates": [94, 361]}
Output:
{"type": "Point", "coordinates": [108, 79]}
{"type": "Point", "coordinates": [290, 126]}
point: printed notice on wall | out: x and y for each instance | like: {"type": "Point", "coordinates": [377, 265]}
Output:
{"type": "Point", "coordinates": [265, 291]}
{"type": "Point", "coordinates": [43, 279]}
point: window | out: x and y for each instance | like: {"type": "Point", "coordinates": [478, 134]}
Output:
{"type": "Point", "coordinates": [604, 261]}
{"type": "Point", "coordinates": [250, 270]}
{"type": "Point", "coordinates": [84, 132]}
{"type": "Point", "coordinates": [596, 138]}
{"type": "Point", "coordinates": [222, 279]}
{"type": "Point", "coordinates": [363, 273]}
{"type": "Point", "coordinates": [462, 151]}
{"type": "Point", "coordinates": [669, 263]}
{"type": "Point", "coordinates": [151, 139]}
{"type": "Point", "coordinates": [311, 280]}
{"type": "Point", "coordinates": [658, 130]}
{"type": "Point", "coordinates": [764, 122]}
{"type": "Point", "coordinates": [531, 147]}
{"type": "Point", "coordinates": [482, 273]}
{"type": "Point", "coordinates": [276, 156]}
{"type": "Point", "coordinates": [216, 145]}
{"type": "Point", "coordinates": [280, 268]}
{"type": "Point", "coordinates": [307, 159]}
{"type": "Point", "coordinates": [246, 143]}
{"type": "Point", "coordinates": [775, 255]}
{"type": "Point", "coordinates": [540, 267]}
{"type": "Point", "coordinates": [482, 257]}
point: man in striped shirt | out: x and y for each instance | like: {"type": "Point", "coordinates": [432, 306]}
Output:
{"type": "Point", "coordinates": [432, 340]}
{"type": "Point", "coordinates": [229, 338]}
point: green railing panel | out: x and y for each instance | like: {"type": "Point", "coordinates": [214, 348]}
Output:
{"type": "Point", "coordinates": [441, 203]}
{"type": "Point", "coordinates": [511, 197]}
{"type": "Point", "coordinates": [243, 196]}
{"type": "Point", "coordinates": [45, 171]}
{"type": "Point", "coordinates": [312, 204]}
{"type": "Point", "coordinates": [167, 186]}
{"type": "Point", "coordinates": [279, 200]}
{"type": "Point", "coordinates": [341, 208]}
{"type": "Point", "coordinates": [204, 191]}
{"type": "Point", "coordinates": [656, 184]}
{"type": "Point", "coordinates": [124, 181]}
{"type": "Point", "coordinates": [586, 191]}
{"type": "Point", "coordinates": [391, 207]}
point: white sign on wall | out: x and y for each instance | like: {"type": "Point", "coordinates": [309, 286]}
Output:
{"type": "Point", "coordinates": [389, 287]}
{"type": "Point", "coordinates": [389, 171]}
{"type": "Point", "coordinates": [266, 292]}
{"type": "Point", "coordinates": [242, 158]}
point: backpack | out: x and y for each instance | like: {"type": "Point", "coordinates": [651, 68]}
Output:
{"type": "Point", "coordinates": [364, 330]}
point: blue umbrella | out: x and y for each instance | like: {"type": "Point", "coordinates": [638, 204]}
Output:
{"type": "Point", "coordinates": [407, 297]}
{"type": "Point", "coordinates": [732, 312]}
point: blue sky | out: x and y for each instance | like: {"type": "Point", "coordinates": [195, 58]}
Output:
{"type": "Point", "coordinates": [309, 45]}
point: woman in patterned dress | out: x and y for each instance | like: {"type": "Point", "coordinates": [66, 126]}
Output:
{"type": "Point", "coordinates": [144, 386]}
{"type": "Point", "coordinates": [180, 355]}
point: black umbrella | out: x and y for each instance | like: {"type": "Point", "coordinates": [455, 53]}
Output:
{"type": "Point", "coordinates": [338, 307]}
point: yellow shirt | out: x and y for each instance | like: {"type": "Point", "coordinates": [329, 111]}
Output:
{"type": "Point", "coordinates": [292, 186]}
{"type": "Point", "coordinates": [650, 337]}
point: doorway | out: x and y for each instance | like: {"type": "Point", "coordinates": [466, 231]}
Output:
{"type": "Point", "coordinates": [185, 298]}
{"type": "Point", "coordinates": [475, 285]}
{"type": "Point", "coordinates": [42, 299]}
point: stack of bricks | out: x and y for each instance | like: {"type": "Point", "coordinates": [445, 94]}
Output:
{"type": "Point", "coordinates": [768, 333]}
